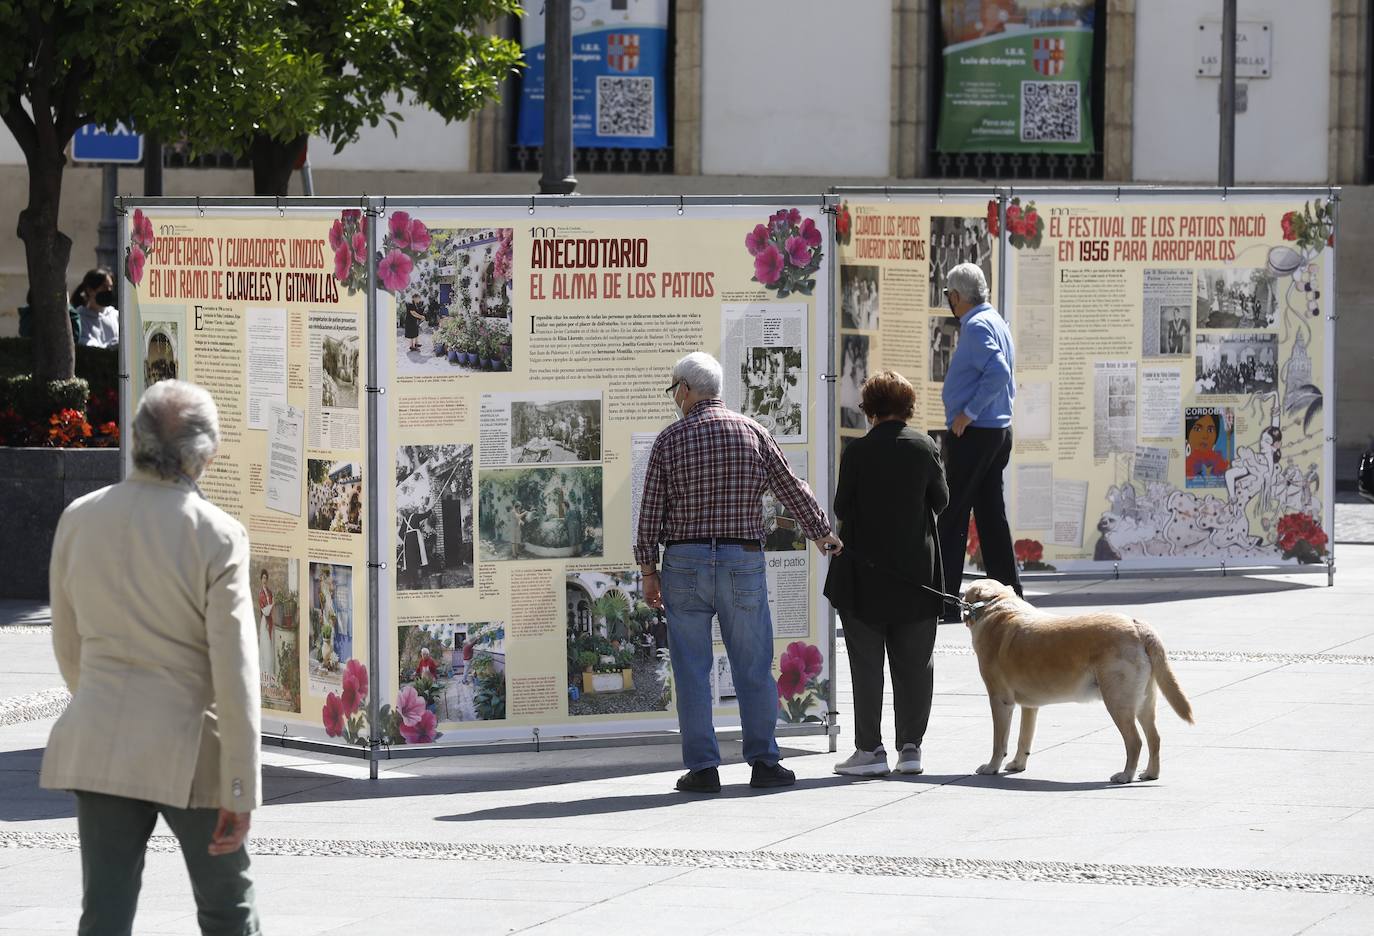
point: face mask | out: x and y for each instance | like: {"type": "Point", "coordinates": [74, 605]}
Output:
{"type": "Point", "coordinates": [105, 297]}
{"type": "Point", "coordinates": [678, 408]}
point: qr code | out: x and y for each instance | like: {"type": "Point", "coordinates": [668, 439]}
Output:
{"type": "Point", "coordinates": [1050, 112]}
{"type": "Point", "coordinates": [624, 106]}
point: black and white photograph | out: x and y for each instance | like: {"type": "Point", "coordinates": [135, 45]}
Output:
{"type": "Point", "coordinates": [954, 241]}
{"type": "Point", "coordinates": [617, 646]}
{"type": "Point", "coordinates": [334, 493]}
{"type": "Point", "coordinates": [567, 430]}
{"type": "Point", "coordinates": [1233, 297]}
{"type": "Point", "coordinates": [859, 296]}
{"type": "Point", "coordinates": [539, 513]}
{"type": "Point", "coordinates": [434, 544]}
{"type": "Point", "coordinates": [771, 379]}
{"type": "Point", "coordinates": [1175, 332]}
{"type": "Point", "coordinates": [853, 372]}
{"type": "Point", "coordinates": [339, 363]}
{"type": "Point", "coordinates": [1237, 363]}
{"type": "Point", "coordinates": [944, 338]}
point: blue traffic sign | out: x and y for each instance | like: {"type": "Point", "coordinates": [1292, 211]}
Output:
{"type": "Point", "coordinates": [92, 144]}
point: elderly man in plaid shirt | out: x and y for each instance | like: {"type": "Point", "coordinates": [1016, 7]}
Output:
{"type": "Point", "coordinates": [702, 497]}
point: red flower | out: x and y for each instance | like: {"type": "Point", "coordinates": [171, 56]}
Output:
{"type": "Point", "coordinates": [400, 228]}
{"type": "Point", "coordinates": [418, 235]}
{"type": "Point", "coordinates": [756, 240]}
{"type": "Point", "coordinates": [110, 429]}
{"type": "Point", "coordinates": [799, 664]}
{"type": "Point", "coordinates": [359, 673]}
{"type": "Point", "coordinates": [843, 222]}
{"type": "Point", "coordinates": [343, 263]}
{"type": "Point", "coordinates": [1032, 221]}
{"type": "Point", "coordinates": [336, 235]}
{"type": "Point", "coordinates": [1028, 550]}
{"type": "Point", "coordinates": [810, 233]}
{"type": "Point", "coordinates": [1289, 228]}
{"type": "Point", "coordinates": [767, 265]}
{"type": "Point", "coordinates": [333, 716]}
{"type": "Point", "coordinates": [1013, 213]}
{"type": "Point", "coordinates": [973, 542]}
{"type": "Point", "coordinates": [993, 226]}
{"type": "Point", "coordinates": [1297, 528]}
{"type": "Point", "coordinates": [798, 254]}
{"type": "Point", "coordinates": [133, 264]}
{"type": "Point", "coordinates": [422, 731]}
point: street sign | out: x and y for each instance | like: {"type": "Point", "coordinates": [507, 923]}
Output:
{"type": "Point", "coordinates": [92, 144]}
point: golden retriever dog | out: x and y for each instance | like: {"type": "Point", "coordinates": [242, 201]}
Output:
{"type": "Point", "coordinates": [1029, 658]}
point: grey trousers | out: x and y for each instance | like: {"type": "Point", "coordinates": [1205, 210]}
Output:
{"type": "Point", "coordinates": [114, 836]}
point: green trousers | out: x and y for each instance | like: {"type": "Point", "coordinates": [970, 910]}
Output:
{"type": "Point", "coordinates": [114, 836]}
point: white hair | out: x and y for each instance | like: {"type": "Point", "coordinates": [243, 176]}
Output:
{"type": "Point", "coordinates": [701, 373]}
{"type": "Point", "coordinates": [967, 280]}
{"type": "Point", "coordinates": [175, 430]}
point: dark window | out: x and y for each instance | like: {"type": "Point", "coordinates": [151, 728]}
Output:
{"type": "Point", "coordinates": [1081, 166]}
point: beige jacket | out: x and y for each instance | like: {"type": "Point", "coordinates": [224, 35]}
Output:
{"type": "Point", "coordinates": [152, 622]}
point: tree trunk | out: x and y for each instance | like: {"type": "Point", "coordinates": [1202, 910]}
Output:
{"type": "Point", "coordinates": [273, 163]}
{"type": "Point", "coordinates": [47, 252]}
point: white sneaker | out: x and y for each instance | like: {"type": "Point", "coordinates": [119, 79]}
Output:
{"type": "Point", "coordinates": [909, 760]}
{"type": "Point", "coordinates": [864, 764]}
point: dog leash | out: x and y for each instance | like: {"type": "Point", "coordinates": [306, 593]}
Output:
{"type": "Point", "coordinates": [966, 608]}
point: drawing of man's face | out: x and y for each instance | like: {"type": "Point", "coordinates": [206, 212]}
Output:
{"type": "Point", "coordinates": [1202, 434]}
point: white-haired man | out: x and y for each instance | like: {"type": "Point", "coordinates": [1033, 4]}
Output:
{"type": "Point", "coordinates": [703, 498]}
{"type": "Point", "coordinates": [978, 392]}
{"type": "Point", "coordinates": [153, 627]}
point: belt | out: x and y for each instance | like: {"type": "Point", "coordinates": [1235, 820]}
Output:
{"type": "Point", "coordinates": [749, 545]}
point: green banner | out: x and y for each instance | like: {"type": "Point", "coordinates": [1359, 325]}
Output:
{"type": "Point", "coordinates": [1017, 77]}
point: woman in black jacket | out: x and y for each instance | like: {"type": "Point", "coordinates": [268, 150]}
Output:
{"type": "Point", "coordinates": [890, 489]}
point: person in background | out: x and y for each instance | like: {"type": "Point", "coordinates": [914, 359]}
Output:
{"type": "Point", "coordinates": [154, 631]}
{"type": "Point", "coordinates": [96, 320]}
{"type": "Point", "coordinates": [890, 489]}
{"type": "Point", "coordinates": [978, 393]}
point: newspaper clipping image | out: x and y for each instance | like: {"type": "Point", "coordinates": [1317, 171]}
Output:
{"type": "Point", "coordinates": [1114, 407]}
{"type": "Point", "coordinates": [532, 428]}
{"type": "Point", "coordinates": [334, 387]}
{"type": "Point", "coordinates": [1167, 325]}
{"type": "Point", "coordinates": [763, 354]}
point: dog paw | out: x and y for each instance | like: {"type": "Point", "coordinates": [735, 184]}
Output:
{"type": "Point", "coordinates": [1123, 777]}
{"type": "Point", "coordinates": [1147, 775]}
{"type": "Point", "coordinates": [1015, 767]}
{"type": "Point", "coordinates": [987, 769]}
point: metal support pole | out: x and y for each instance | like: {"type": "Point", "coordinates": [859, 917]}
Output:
{"type": "Point", "coordinates": [557, 159]}
{"type": "Point", "coordinates": [1226, 171]}
{"type": "Point", "coordinates": [106, 248]}
{"type": "Point", "coordinates": [373, 218]}
{"type": "Point", "coordinates": [152, 166]}
{"type": "Point", "coordinates": [307, 177]}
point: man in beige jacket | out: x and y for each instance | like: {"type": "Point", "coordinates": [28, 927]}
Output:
{"type": "Point", "coordinates": [155, 636]}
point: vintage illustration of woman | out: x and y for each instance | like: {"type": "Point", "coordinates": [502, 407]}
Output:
{"type": "Point", "coordinates": [266, 655]}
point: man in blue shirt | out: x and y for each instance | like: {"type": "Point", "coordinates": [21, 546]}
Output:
{"type": "Point", "coordinates": [978, 393]}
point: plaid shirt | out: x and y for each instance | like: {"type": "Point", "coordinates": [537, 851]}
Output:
{"type": "Point", "coordinates": [706, 477]}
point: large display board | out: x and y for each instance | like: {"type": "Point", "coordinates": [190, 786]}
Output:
{"type": "Point", "coordinates": [458, 568]}
{"type": "Point", "coordinates": [1174, 377]}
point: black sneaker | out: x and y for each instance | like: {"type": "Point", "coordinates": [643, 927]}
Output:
{"type": "Point", "coordinates": [771, 775]}
{"type": "Point", "coordinates": [706, 780]}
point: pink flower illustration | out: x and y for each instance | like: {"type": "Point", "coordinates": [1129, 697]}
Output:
{"type": "Point", "coordinates": [333, 716]}
{"type": "Point", "coordinates": [399, 227]}
{"type": "Point", "coordinates": [133, 265]}
{"type": "Point", "coordinates": [336, 235]}
{"type": "Point", "coordinates": [810, 233]}
{"type": "Point", "coordinates": [791, 680]}
{"type": "Point", "coordinates": [786, 218]}
{"type": "Point", "coordinates": [348, 695]}
{"type": "Point", "coordinates": [810, 656]}
{"type": "Point", "coordinates": [422, 732]}
{"type": "Point", "coordinates": [358, 671]}
{"type": "Point", "coordinates": [756, 240]}
{"type": "Point", "coordinates": [394, 270]}
{"type": "Point", "coordinates": [418, 235]}
{"type": "Point", "coordinates": [359, 244]}
{"type": "Point", "coordinates": [409, 706]}
{"type": "Point", "coordinates": [768, 265]}
{"type": "Point", "coordinates": [142, 229]}
{"type": "Point", "coordinates": [351, 215]}
{"type": "Point", "coordinates": [797, 252]}
{"type": "Point", "coordinates": [343, 262]}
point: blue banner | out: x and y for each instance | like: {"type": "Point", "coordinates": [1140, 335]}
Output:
{"type": "Point", "coordinates": [620, 70]}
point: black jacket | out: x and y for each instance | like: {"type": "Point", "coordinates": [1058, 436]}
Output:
{"type": "Point", "coordinates": [890, 489]}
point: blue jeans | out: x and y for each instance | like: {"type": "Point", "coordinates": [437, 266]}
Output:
{"type": "Point", "coordinates": [726, 581]}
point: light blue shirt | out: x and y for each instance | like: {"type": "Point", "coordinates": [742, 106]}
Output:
{"type": "Point", "coordinates": [979, 383]}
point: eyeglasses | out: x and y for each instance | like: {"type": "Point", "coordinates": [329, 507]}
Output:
{"type": "Point", "coordinates": [676, 384]}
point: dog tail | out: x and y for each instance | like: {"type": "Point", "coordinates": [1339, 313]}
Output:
{"type": "Point", "coordinates": [1163, 674]}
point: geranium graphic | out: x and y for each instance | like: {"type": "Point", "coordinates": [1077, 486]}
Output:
{"type": "Point", "coordinates": [1301, 538]}
{"type": "Point", "coordinates": [1030, 554]}
{"type": "Point", "coordinates": [394, 271]}
{"type": "Point", "coordinates": [974, 547]}
{"type": "Point", "coordinates": [799, 682]}
{"type": "Point", "coordinates": [333, 716]}
{"type": "Point", "coordinates": [406, 242]}
{"type": "Point", "coordinates": [994, 224]}
{"type": "Point", "coordinates": [141, 241]}
{"type": "Point", "coordinates": [348, 240]}
{"type": "Point", "coordinates": [1312, 228]}
{"type": "Point", "coordinates": [786, 252]}
{"type": "Point", "coordinates": [844, 224]}
{"type": "Point", "coordinates": [1025, 227]}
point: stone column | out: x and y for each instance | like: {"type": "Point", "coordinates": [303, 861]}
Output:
{"type": "Point", "coordinates": [911, 77]}
{"type": "Point", "coordinates": [687, 88]}
{"type": "Point", "coordinates": [1349, 67]}
{"type": "Point", "coordinates": [1118, 90]}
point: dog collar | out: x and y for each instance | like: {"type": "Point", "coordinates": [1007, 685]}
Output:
{"type": "Point", "coordinates": [972, 608]}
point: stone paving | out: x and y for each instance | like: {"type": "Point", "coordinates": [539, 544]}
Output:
{"type": "Point", "coordinates": [1260, 823]}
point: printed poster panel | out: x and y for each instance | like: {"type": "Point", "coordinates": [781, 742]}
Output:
{"type": "Point", "coordinates": [525, 360]}
{"type": "Point", "coordinates": [620, 82]}
{"type": "Point", "coordinates": [1017, 76]}
{"type": "Point", "coordinates": [1190, 360]}
{"type": "Point", "coordinates": [250, 308]}
{"type": "Point", "coordinates": [893, 256]}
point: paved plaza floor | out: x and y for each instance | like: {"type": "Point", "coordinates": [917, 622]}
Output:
{"type": "Point", "coordinates": [1260, 823]}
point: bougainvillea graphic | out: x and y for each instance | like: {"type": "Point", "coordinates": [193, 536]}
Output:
{"type": "Point", "coordinates": [994, 224]}
{"type": "Point", "coordinates": [1025, 227]}
{"type": "Point", "coordinates": [348, 239]}
{"type": "Point", "coordinates": [505, 253]}
{"type": "Point", "coordinates": [1312, 228]}
{"type": "Point", "coordinates": [1301, 538]}
{"type": "Point", "coordinates": [844, 224]}
{"type": "Point", "coordinates": [799, 683]}
{"type": "Point", "coordinates": [786, 252]}
{"type": "Point", "coordinates": [406, 241]}
{"type": "Point", "coordinates": [141, 241]}
{"type": "Point", "coordinates": [1030, 555]}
